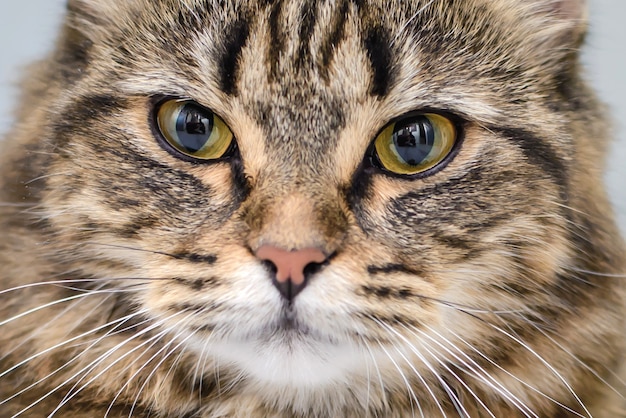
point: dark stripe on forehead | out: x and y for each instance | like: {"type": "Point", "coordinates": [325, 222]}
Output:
{"type": "Point", "coordinates": [308, 19]}
{"type": "Point", "coordinates": [335, 35]}
{"type": "Point", "coordinates": [236, 35]}
{"type": "Point", "coordinates": [378, 47]}
{"type": "Point", "coordinates": [277, 37]}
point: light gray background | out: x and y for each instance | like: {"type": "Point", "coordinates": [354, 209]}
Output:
{"type": "Point", "coordinates": [28, 27]}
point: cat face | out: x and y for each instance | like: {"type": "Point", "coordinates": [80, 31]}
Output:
{"type": "Point", "coordinates": [417, 171]}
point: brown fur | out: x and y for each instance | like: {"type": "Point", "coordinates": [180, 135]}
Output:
{"type": "Point", "coordinates": [490, 287]}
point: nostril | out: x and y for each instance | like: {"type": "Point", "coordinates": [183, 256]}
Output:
{"type": "Point", "coordinates": [270, 267]}
{"type": "Point", "coordinates": [312, 269]}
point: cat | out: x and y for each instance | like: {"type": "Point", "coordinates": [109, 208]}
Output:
{"type": "Point", "coordinates": [298, 208]}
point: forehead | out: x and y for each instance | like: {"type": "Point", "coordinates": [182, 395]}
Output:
{"type": "Point", "coordinates": [295, 38]}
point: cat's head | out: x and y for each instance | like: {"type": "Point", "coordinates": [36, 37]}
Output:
{"type": "Point", "coordinates": [311, 193]}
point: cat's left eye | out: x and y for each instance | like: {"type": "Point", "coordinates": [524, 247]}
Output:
{"type": "Point", "coordinates": [193, 130]}
{"type": "Point", "coordinates": [415, 144]}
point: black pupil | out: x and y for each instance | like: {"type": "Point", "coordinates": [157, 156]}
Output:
{"type": "Point", "coordinates": [194, 126]}
{"type": "Point", "coordinates": [414, 139]}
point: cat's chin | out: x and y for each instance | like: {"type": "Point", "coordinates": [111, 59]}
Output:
{"type": "Point", "coordinates": [290, 359]}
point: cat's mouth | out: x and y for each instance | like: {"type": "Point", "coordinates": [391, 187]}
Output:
{"type": "Point", "coordinates": [290, 329]}
{"type": "Point", "coordinates": [289, 325]}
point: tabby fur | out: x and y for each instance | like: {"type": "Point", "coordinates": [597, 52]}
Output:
{"type": "Point", "coordinates": [491, 287]}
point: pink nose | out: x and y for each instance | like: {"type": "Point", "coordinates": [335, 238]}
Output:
{"type": "Point", "coordinates": [290, 265]}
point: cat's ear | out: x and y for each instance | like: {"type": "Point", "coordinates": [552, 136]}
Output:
{"type": "Point", "coordinates": [91, 16]}
{"type": "Point", "coordinates": [571, 10]}
{"type": "Point", "coordinates": [555, 29]}
{"type": "Point", "coordinates": [568, 18]}
{"type": "Point", "coordinates": [85, 23]}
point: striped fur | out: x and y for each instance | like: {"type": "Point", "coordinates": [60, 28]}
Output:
{"type": "Point", "coordinates": [490, 287]}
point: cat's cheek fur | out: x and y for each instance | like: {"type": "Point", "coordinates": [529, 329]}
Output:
{"type": "Point", "coordinates": [489, 286]}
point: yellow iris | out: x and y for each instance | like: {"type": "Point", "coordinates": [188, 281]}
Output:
{"type": "Point", "coordinates": [194, 130]}
{"type": "Point", "coordinates": [415, 144]}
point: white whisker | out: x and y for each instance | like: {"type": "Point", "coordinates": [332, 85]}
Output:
{"type": "Point", "coordinates": [69, 362]}
{"type": "Point", "coordinates": [16, 205]}
{"type": "Point", "coordinates": [582, 363]}
{"type": "Point", "coordinates": [87, 369]}
{"type": "Point", "coordinates": [380, 377]}
{"type": "Point", "coordinates": [203, 358]}
{"type": "Point", "coordinates": [50, 304]}
{"type": "Point", "coordinates": [48, 283]}
{"type": "Point", "coordinates": [76, 338]}
{"type": "Point", "coordinates": [476, 370]}
{"type": "Point", "coordinates": [407, 384]}
{"type": "Point", "coordinates": [156, 339]}
{"type": "Point", "coordinates": [47, 176]}
{"type": "Point", "coordinates": [546, 364]}
{"type": "Point", "coordinates": [412, 367]}
{"type": "Point", "coordinates": [52, 321]}
{"type": "Point", "coordinates": [565, 407]}
{"type": "Point", "coordinates": [156, 367]}
{"type": "Point", "coordinates": [126, 247]}
{"type": "Point", "coordinates": [595, 273]}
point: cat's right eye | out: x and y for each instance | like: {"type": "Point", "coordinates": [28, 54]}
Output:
{"type": "Point", "coordinates": [193, 130]}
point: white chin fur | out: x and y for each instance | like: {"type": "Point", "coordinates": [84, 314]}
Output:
{"type": "Point", "coordinates": [298, 364]}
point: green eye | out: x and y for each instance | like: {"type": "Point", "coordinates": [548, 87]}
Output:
{"type": "Point", "coordinates": [415, 144]}
{"type": "Point", "coordinates": [194, 130]}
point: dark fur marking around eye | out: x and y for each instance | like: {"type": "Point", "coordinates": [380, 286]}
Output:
{"type": "Point", "coordinates": [83, 110]}
{"type": "Point", "coordinates": [448, 187]}
{"type": "Point", "coordinates": [464, 202]}
{"type": "Point", "coordinates": [152, 181]}
{"type": "Point", "coordinates": [377, 45]}
{"type": "Point", "coordinates": [236, 35]}
{"type": "Point", "coordinates": [241, 183]}
{"type": "Point", "coordinates": [540, 153]}
{"type": "Point", "coordinates": [356, 192]}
